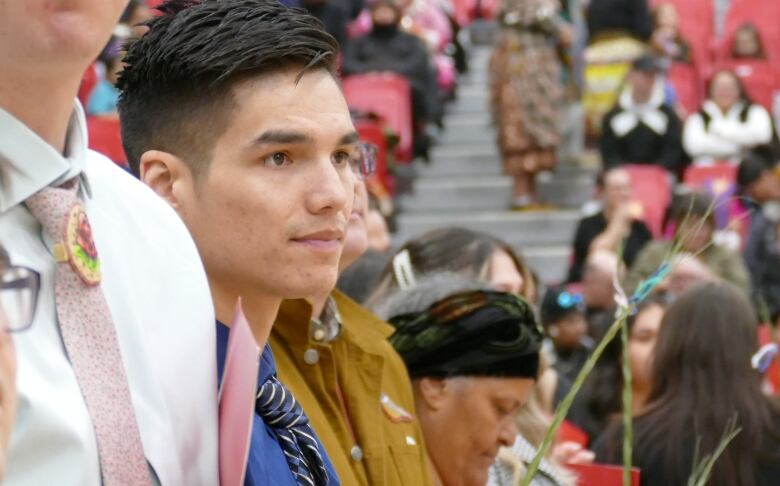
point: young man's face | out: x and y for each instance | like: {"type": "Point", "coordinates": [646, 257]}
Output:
{"type": "Point", "coordinates": [270, 213]}
{"type": "Point", "coordinates": [55, 34]}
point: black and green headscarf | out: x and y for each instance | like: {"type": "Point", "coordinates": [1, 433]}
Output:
{"type": "Point", "coordinates": [471, 333]}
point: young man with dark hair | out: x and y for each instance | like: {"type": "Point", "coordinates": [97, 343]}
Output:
{"type": "Point", "coordinates": [115, 383]}
{"type": "Point", "coordinates": [231, 112]}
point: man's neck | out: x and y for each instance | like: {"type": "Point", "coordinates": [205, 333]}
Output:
{"type": "Point", "coordinates": [260, 311]}
{"type": "Point", "coordinates": [43, 106]}
{"type": "Point", "coordinates": [318, 304]}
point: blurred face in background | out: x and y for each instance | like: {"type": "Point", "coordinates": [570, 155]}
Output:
{"type": "Point", "coordinates": [666, 18]}
{"type": "Point", "coordinates": [766, 188]}
{"type": "Point", "coordinates": [617, 188]}
{"type": "Point", "coordinates": [725, 90]}
{"type": "Point", "coordinates": [504, 275]}
{"type": "Point", "coordinates": [747, 43]}
{"type": "Point", "coordinates": [466, 421]}
{"type": "Point", "coordinates": [642, 83]}
{"type": "Point", "coordinates": [695, 234]}
{"type": "Point", "coordinates": [385, 15]}
{"type": "Point", "coordinates": [356, 241]}
{"type": "Point", "coordinates": [597, 287]}
{"type": "Point", "coordinates": [567, 333]}
{"type": "Point", "coordinates": [641, 344]}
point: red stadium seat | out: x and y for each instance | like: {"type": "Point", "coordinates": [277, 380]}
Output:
{"type": "Point", "coordinates": [389, 96]}
{"type": "Point", "coordinates": [761, 13]}
{"type": "Point", "coordinates": [720, 182]}
{"type": "Point", "coordinates": [371, 131]}
{"type": "Point", "coordinates": [697, 176]}
{"type": "Point", "coordinates": [88, 83]}
{"type": "Point", "coordinates": [601, 475]}
{"type": "Point", "coordinates": [105, 137]}
{"type": "Point", "coordinates": [687, 85]}
{"type": "Point", "coordinates": [758, 76]}
{"type": "Point", "coordinates": [651, 189]}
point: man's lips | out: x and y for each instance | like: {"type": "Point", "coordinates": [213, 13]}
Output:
{"type": "Point", "coordinates": [325, 239]}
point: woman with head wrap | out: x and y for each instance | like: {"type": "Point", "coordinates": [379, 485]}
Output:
{"type": "Point", "coordinates": [473, 356]}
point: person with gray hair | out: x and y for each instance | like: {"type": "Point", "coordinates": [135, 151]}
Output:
{"type": "Point", "coordinates": [473, 357]}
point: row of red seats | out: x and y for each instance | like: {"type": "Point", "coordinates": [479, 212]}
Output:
{"type": "Point", "coordinates": [760, 76]}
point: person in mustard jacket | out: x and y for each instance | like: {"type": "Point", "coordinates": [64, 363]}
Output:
{"type": "Point", "coordinates": [350, 381]}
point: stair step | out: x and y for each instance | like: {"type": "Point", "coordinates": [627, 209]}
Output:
{"type": "Point", "coordinates": [518, 228]}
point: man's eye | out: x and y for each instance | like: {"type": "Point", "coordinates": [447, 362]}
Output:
{"type": "Point", "coordinates": [278, 159]}
{"type": "Point", "coordinates": [341, 158]}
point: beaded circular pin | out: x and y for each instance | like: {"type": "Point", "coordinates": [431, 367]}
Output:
{"type": "Point", "coordinates": [79, 247]}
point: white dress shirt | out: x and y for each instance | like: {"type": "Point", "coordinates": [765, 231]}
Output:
{"type": "Point", "coordinates": [159, 299]}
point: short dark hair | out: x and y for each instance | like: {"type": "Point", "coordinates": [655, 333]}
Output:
{"type": "Point", "coordinates": [693, 206]}
{"type": "Point", "coordinates": [175, 87]}
{"type": "Point", "coordinates": [751, 168]}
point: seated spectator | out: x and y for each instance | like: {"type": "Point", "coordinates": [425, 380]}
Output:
{"type": "Point", "coordinates": [473, 356]}
{"type": "Point", "coordinates": [104, 98]}
{"type": "Point", "coordinates": [388, 48]}
{"type": "Point", "coordinates": [666, 42]}
{"type": "Point", "coordinates": [598, 291]}
{"type": "Point", "coordinates": [333, 14]}
{"type": "Point", "coordinates": [728, 124]}
{"type": "Point", "coordinates": [609, 17]}
{"type": "Point", "coordinates": [616, 225]}
{"type": "Point", "coordinates": [760, 187]}
{"type": "Point", "coordinates": [601, 398]}
{"type": "Point", "coordinates": [762, 255]}
{"type": "Point", "coordinates": [459, 250]}
{"type": "Point", "coordinates": [757, 182]}
{"type": "Point", "coordinates": [699, 257]}
{"type": "Point", "coordinates": [532, 421]}
{"type": "Point", "coordinates": [642, 128]}
{"type": "Point", "coordinates": [701, 379]}
{"type": "Point", "coordinates": [563, 318]}
{"type": "Point", "coordinates": [747, 43]}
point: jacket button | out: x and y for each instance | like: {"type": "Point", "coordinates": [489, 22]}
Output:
{"type": "Point", "coordinates": [311, 356]}
{"type": "Point", "coordinates": [356, 452]}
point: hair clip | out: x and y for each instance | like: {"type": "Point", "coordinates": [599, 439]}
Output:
{"type": "Point", "coordinates": [402, 268]}
{"type": "Point", "coordinates": [568, 300]}
{"type": "Point", "coordinates": [764, 357]}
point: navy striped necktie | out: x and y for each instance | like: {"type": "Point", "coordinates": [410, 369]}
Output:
{"type": "Point", "coordinates": [280, 411]}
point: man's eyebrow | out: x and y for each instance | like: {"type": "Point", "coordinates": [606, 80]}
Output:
{"type": "Point", "coordinates": [281, 137]}
{"type": "Point", "coordinates": [349, 138]}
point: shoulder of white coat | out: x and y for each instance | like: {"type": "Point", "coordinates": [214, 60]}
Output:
{"type": "Point", "coordinates": [145, 217]}
{"type": "Point", "coordinates": [113, 186]}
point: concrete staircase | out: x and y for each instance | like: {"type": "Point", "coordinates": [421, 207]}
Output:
{"type": "Point", "coordinates": [463, 186]}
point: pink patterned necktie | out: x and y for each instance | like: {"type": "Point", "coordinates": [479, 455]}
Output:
{"type": "Point", "coordinates": [89, 335]}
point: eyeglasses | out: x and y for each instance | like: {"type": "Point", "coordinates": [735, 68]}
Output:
{"type": "Point", "coordinates": [19, 288]}
{"type": "Point", "coordinates": [363, 161]}
{"type": "Point", "coordinates": [568, 300]}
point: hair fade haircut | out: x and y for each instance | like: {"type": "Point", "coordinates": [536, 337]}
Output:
{"type": "Point", "coordinates": [176, 85]}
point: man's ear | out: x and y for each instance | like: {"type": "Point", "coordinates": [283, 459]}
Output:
{"type": "Point", "coordinates": [435, 392]}
{"type": "Point", "coordinates": [166, 174]}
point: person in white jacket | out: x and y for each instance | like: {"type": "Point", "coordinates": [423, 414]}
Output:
{"type": "Point", "coordinates": [728, 123]}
